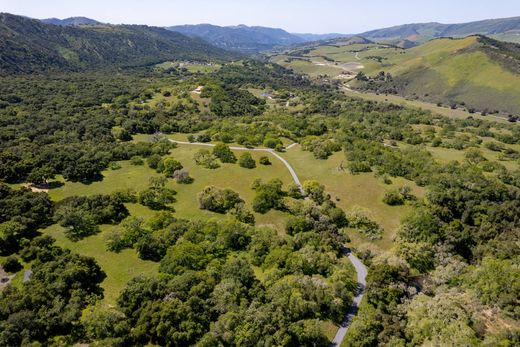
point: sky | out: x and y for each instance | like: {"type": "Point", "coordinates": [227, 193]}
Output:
{"type": "Point", "coordinates": [302, 16]}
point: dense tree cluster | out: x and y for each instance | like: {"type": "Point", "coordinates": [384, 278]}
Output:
{"type": "Point", "coordinates": [81, 215]}
{"type": "Point", "coordinates": [51, 303]}
{"type": "Point", "coordinates": [229, 101]}
{"type": "Point", "coordinates": [216, 296]}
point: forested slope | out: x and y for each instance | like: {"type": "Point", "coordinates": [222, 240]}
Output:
{"type": "Point", "coordinates": [31, 46]}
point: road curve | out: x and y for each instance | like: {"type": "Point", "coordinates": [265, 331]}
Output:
{"type": "Point", "coordinates": [267, 150]}
{"type": "Point", "coordinates": [361, 271]}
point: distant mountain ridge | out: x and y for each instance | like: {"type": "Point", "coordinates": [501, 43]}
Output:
{"type": "Point", "coordinates": [239, 38]}
{"type": "Point", "coordinates": [308, 37]}
{"type": "Point", "coordinates": [28, 46]}
{"type": "Point", "coordinates": [70, 21]}
{"type": "Point", "coordinates": [506, 29]}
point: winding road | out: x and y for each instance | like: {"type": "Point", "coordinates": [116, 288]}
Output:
{"type": "Point", "coordinates": [361, 270]}
{"type": "Point", "coordinates": [267, 150]}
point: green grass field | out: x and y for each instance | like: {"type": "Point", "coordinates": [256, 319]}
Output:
{"type": "Point", "coordinates": [351, 192]}
{"type": "Point", "coordinates": [362, 191]}
{"type": "Point", "coordinates": [119, 267]}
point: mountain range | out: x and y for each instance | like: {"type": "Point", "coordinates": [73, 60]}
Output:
{"type": "Point", "coordinates": [256, 39]}
{"type": "Point", "coordinates": [505, 29]}
{"type": "Point", "coordinates": [29, 45]}
{"type": "Point", "coordinates": [240, 38]}
{"type": "Point", "coordinates": [71, 21]}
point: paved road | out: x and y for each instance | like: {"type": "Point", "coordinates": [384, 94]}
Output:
{"type": "Point", "coordinates": [361, 271]}
{"type": "Point", "coordinates": [267, 150]}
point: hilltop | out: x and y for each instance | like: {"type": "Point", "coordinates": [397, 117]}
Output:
{"type": "Point", "coordinates": [476, 72]}
{"type": "Point", "coordinates": [29, 45]}
{"type": "Point", "coordinates": [506, 29]}
{"type": "Point", "coordinates": [71, 21]}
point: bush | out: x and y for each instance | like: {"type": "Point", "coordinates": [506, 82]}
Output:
{"type": "Point", "coordinates": [294, 191]}
{"type": "Point", "coordinates": [114, 165]}
{"type": "Point", "coordinates": [359, 167]}
{"type": "Point", "coordinates": [11, 264]}
{"type": "Point", "coordinates": [358, 220]}
{"type": "Point", "coordinates": [315, 191]}
{"type": "Point", "coordinates": [153, 161]}
{"type": "Point", "coordinates": [157, 196]}
{"type": "Point", "coordinates": [268, 195]}
{"type": "Point", "coordinates": [264, 161]}
{"type": "Point", "coordinates": [218, 200]}
{"type": "Point", "coordinates": [204, 158]}
{"type": "Point", "coordinates": [393, 198]}
{"type": "Point", "coordinates": [182, 177]}
{"type": "Point", "coordinates": [398, 197]}
{"type": "Point", "coordinates": [225, 154]}
{"type": "Point", "coordinates": [242, 214]}
{"type": "Point", "coordinates": [247, 161]}
{"type": "Point", "coordinates": [272, 143]}
{"type": "Point", "coordinates": [137, 161]}
{"type": "Point", "coordinates": [170, 166]}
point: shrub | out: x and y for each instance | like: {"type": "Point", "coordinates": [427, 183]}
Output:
{"type": "Point", "coordinates": [268, 195]}
{"type": "Point", "coordinates": [393, 198]}
{"type": "Point", "coordinates": [359, 167]}
{"type": "Point", "coordinates": [358, 220]}
{"type": "Point", "coordinates": [204, 158]}
{"type": "Point", "coordinates": [247, 161]}
{"type": "Point", "coordinates": [264, 161]}
{"type": "Point", "coordinates": [315, 191]}
{"type": "Point", "coordinates": [137, 161]}
{"type": "Point", "coordinates": [157, 196]}
{"type": "Point", "coordinates": [218, 200]}
{"type": "Point", "coordinates": [182, 177]}
{"type": "Point", "coordinates": [242, 214]}
{"type": "Point", "coordinates": [153, 161]}
{"type": "Point", "coordinates": [11, 264]}
{"type": "Point", "coordinates": [494, 146]}
{"type": "Point", "coordinates": [272, 143]}
{"type": "Point", "coordinates": [398, 197]}
{"type": "Point", "coordinates": [294, 191]}
{"type": "Point", "coordinates": [170, 166]}
{"type": "Point", "coordinates": [225, 154]}
{"type": "Point", "coordinates": [115, 165]}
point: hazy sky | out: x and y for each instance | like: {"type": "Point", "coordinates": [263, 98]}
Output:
{"type": "Point", "coordinates": [316, 16]}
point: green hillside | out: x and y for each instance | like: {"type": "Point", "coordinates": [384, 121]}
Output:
{"type": "Point", "coordinates": [475, 72]}
{"type": "Point", "coordinates": [29, 45]}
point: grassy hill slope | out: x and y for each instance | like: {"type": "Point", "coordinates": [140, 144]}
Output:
{"type": "Point", "coordinates": [28, 45]}
{"type": "Point", "coordinates": [476, 71]}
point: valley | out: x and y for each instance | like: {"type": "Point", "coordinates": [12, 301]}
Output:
{"type": "Point", "coordinates": [204, 185]}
